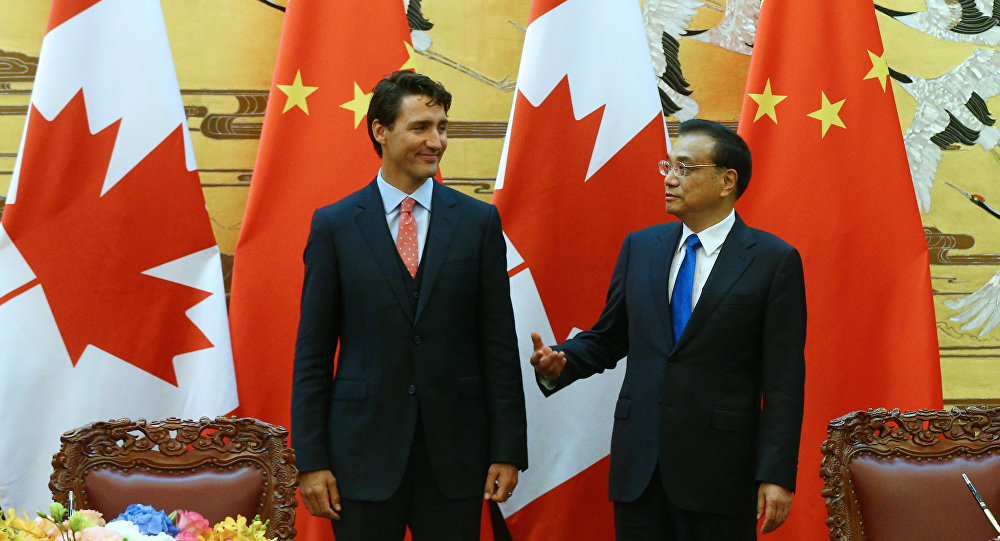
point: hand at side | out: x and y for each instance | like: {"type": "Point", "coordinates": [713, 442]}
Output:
{"type": "Point", "coordinates": [319, 493]}
{"type": "Point", "coordinates": [500, 482]}
{"type": "Point", "coordinates": [773, 503]}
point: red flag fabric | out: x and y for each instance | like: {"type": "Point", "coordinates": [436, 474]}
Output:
{"type": "Point", "coordinates": [314, 150]}
{"type": "Point", "coordinates": [578, 173]}
{"type": "Point", "coordinates": [111, 294]}
{"type": "Point", "coordinates": [830, 176]}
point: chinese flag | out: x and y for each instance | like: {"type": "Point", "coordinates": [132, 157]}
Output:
{"type": "Point", "coordinates": [314, 150]}
{"type": "Point", "coordinates": [577, 174]}
{"type": "Point", "coordinates": [830, 176]}
{"type": "Point", "coordinates": [111, 296]}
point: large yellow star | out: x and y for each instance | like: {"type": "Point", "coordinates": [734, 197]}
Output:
{"type": "Point", "coordinates": [766, 102]}
{"type": "Point", "coordinates": [410, 55]}
{"type": "Point", "coordinates": [297, 94]}
{"type": "Point", "coordinates": [359, 104]}
{"type": "Point", "coordinates": [828, 113]}
{"type": "Point", "coordinates": [880, 69]}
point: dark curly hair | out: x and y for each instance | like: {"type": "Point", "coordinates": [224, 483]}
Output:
{"type": "Point", "coordinates": [389, 93]}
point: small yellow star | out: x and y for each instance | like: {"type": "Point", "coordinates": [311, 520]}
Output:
{"type": "Point", "coordinates": [359, 104]}
{"type": "Point", "coordinates": [297, 94]}
{"type": "Point", "coordinates": [410, 56]}
{"type": "Point", "coordinates": [828, 113]}
{"type": "Point", "coordinates": [880, 69]}
{"type": "Point", "coordinates": [766, 103]}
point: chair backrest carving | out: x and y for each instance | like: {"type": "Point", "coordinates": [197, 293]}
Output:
{"type": "Point", "coordinates": [898, 475]}
{"type": "Point", "coordinates": [219, 467]}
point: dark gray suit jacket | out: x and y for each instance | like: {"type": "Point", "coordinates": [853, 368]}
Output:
{"type": "Point", "coordinates": [453, 359]}
{"type": "Point", "coordinates": [720, 407]}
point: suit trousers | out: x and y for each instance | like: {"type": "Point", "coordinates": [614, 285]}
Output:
{"type": "Point", "coordinates": [653, 517]}
{"type": "Point", "coordinates": [417, 503]}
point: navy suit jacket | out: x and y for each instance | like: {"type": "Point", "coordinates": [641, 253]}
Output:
{"type": "Point", "coordinates": [720, 407]}
{"type": "Point", "coordinates": [453, 359]}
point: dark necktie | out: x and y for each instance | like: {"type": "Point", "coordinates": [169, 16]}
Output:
{"type": "Point", "coordinates": [680, 304]}
{"type": "Point", "coordinates": [406, 240]}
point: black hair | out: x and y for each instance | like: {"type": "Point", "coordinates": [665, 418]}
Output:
{"type": "Point", "coordinates": [389, 93]}
{"type": "Point", "coordinates": [729, 151]}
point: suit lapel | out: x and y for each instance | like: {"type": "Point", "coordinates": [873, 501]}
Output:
{"type": "Point", "coordinates": [733, 260]}
{"type": "Point", "coordinates": [440, 233]}
{"type": "Point", "coordinates": [371, 222]}
{"type": "Point", "coordinates": [663, 257]}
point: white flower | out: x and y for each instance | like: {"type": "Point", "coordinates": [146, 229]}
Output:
{"type": "Point", "coordinates": [130, 532]}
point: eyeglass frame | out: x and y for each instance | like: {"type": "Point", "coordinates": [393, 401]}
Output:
{"type": "Point", "coordinates": [684, 168]}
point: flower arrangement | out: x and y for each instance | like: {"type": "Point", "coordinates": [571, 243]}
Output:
{"type": "Point", "coordinates": [137, 523]}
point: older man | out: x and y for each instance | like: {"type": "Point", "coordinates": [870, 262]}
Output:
{"type": "Point", "coordinates": [712, 316]}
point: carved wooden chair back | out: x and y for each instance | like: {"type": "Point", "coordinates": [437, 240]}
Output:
{"type": "Point", "coordinates": [890, 475]}
{"type": "Point", "coordinates": [218, 467]}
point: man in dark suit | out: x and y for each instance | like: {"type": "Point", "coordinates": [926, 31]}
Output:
{"type": "Point", "coordinates": [424, 416]}
{"type": "Point", "coordinates": [706, 430]}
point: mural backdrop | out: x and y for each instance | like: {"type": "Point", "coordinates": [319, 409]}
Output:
{"type": "Point", "coordinates": [944, 63]}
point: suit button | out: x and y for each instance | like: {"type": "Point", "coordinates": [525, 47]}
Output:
{"type": "Point", "coordinates": [412, 389]}
{"type": "Point", "coordinates": [416, 294]}
{"type": "Point", "coordinates": [417, 339]}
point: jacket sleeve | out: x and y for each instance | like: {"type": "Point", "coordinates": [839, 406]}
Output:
{"type": "Point", "coordinates": [499, 352]}
{"type": "Point", "coordinates": [783, 374]}
{"type": "Point", "coordinates": [315, 347]}
{"type": "Point", "coordinates": [594, 351]}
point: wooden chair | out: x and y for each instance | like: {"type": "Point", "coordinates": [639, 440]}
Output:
{"type": "Point", "coordinates": [891, 475]}
{"type": "Point", "coordinates": [218, 467]}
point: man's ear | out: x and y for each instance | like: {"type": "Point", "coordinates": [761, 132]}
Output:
{"type": "Point", "coordinates": [728, 182]}
{"type": "Point", "coordinates": [378, 130]}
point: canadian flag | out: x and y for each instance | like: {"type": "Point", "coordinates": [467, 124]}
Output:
{"type": "Point", "coordinates": [578, 172]}
{"type": "Point", "coordinates": [111, 294]}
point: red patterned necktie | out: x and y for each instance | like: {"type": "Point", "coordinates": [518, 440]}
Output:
{"type": "Point", "coordinates": [406, 240]}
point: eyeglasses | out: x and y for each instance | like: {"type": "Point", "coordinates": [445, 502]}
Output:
{"type": "Point", "coordinates": [681, 169]}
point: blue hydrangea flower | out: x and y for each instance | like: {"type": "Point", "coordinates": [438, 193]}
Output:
{"type": "Point", "coordinates": [150, 521]}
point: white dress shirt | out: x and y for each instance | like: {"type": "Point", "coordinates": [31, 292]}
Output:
{"type": "Point", "coordinates": [392, 198]}
{"type": "Point", "coordinates": [711, 244]}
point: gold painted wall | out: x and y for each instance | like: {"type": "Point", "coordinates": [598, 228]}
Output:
{"type": "Point", "coordinates": [224, 51]}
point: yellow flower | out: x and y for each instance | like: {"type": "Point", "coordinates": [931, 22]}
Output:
{"type": "Point", "coordinates": [237, 529]}
{"type": "Point", "coordinates": [15, 528]}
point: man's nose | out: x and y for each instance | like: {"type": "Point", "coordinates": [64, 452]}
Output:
{"type": "Point", "coordinates": [436, 139]}
{"type": "Point", "coordinates": [670, 179]}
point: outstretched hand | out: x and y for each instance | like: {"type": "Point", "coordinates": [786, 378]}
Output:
{"type": "Point", "coordinates": [546, 362]}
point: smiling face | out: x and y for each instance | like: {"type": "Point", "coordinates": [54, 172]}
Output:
{"type": "Point", "coordinates": [413, 146]}
{"type": "Point", "coordinates": [705, 195]}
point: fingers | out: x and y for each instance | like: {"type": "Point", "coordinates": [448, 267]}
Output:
{"type": "Point", "coordinates": [768, 525]}
{"type": "Point", "coordinates": [536, 341]}
{"type": "Point", "coordinates": [551, 364]}
{"type": "Point", "coordinates": [776, 503]}
{"type": "Point", "coordinates": [774, 516]}
{"type": "Point", "coordinates": [334, 497]}
{"type": "Point", "coordinates": [546, 362]}
{"type": "Point", "coordinates": [320, 494]}
{"type": "Point", "coordinates": [500, 482]}
{"type": "Point", "coordinates": [491, 480]}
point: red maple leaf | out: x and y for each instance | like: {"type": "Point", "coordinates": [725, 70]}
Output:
{"type": "Point", "coordinates": [64, 10]}
{"type": "Point", "coordinates": [89, 251]}
{"type": "Point", "coordinates": [568, 228]}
